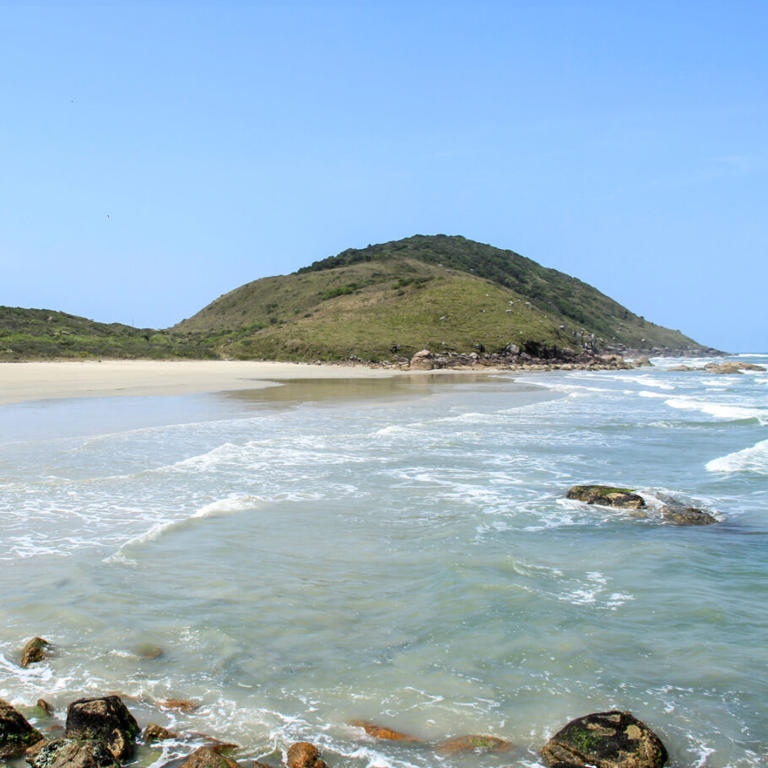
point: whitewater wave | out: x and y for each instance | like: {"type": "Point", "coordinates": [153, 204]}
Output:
{"type": "Point", "coordinates": [227, 506]}
{"type": "Point", "coordinates": [719, 410]}
{"type": "Point", "coordinates": [754, 459]}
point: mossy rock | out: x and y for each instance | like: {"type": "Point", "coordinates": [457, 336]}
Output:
{"type": "Point", "coordinates": [605, 740]}
{"type": "Point", "coordinates": [16, 734]}
{"type": "Point", "coordinates": [607, 496]}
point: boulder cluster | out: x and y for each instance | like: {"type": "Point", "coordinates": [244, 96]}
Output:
{"type": "Point", "coordinates": [529, 358]}
{"type": "Point", "coordinates": [102, 733]}
{"type": "Point", "coordinates": [669, 511]}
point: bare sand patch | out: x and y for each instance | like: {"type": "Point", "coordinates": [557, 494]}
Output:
{"type": "Point", "coordinates": [21, 382]}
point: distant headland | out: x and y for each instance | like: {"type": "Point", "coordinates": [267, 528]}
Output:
{"type": "Point", "coordinates": [461, 301]}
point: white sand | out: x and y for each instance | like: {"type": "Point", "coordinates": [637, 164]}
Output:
{"type": "Point", "coordinates": [43, 381]}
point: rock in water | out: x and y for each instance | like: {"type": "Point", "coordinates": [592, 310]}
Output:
{"type": "Point", "coordinates": [205, 757]}
{"type": "Point", "coordinates": [474, 743]}
{"type": "Point", "coordinates": [304, 755]}
{"type": "Point", "coordinates": [74, 753]}
{"type": "Point", "coordinates": [381, 732]}
{"type": "Point", "coordinates": [606, 496]}
{"type": "Point", "coordinates": [679, 514]}
{"type": "Point", "coordinates": [35, 650]}
{"type": "Point", "coordinates": [605, 740]}
{"type": "Point", "coordinates": [154, 732]}
{"type": "Point", "coordinates": [16, 734]}
{"type": "Point", "coordinates": [104, 718]}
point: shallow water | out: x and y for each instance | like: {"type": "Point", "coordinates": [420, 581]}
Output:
{"type": "Point", "coordinates": [397, 551]}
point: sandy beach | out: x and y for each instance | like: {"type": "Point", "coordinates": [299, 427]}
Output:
{"type": "Point", "coordinates": [20, 382]}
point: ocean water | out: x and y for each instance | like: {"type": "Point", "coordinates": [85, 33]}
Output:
{"type": "Point", "coordinates": [397, 551]}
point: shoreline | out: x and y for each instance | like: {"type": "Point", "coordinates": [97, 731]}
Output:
{"type": "Point", "coordinates": [35, 381]}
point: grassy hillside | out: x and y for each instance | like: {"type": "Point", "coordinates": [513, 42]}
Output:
{"type": "Point", "coordinates": [443, 293]}
{"type": "Point", "coordinates": [30, 334]}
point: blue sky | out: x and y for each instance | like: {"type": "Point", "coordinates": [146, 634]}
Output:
{"type": "Point", "coordinates": [158, 154]}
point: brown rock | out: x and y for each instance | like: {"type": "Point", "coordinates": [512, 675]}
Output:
{"type": "Point", "coordinates": [205, 757]}
{"type": "Point", "coordinates": [73, 753]}
{"type": "Point", "coordinates": [35, 650]}
{"type": "Point", "coordinates": [16, 734]}
{"type": "Point", "coordinates": [104, 718]}
{"type": "Point", "coordinates": [380, 732]}
{"type": "Point", "coordinates": [678, 514]}
{"type": "Point", "coordinates": [181, 705]}
{"type": "Point", "coordinates": [155, 732]}
{"type": "Point", "coordinates": [605, 740]}
{"type": "Point", "coordinates": [472, 743]}
{"type": "Point", "coordinates": [422, 361]}
{"type": "Point", "coordinates": [304, 755]}
{"type": "Point", "coordinates": [45, 706]}
{"type": "Point", "coordinates": [606, 496]}
{"type": "Point", "coordinates": [731, 366]}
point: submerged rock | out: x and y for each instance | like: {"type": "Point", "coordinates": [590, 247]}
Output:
{"type": "Point", "coordinates": [104, 718]}
{"type": "Point", "coordinates": [153, 733]}
{"type": "Point", "coordinates": [205, 757]}
{"type": "Point", "coordinates": [380, 732]}
{"type": "Point", "coordinates": [679, 514]}
{"type": "Point", "coordinates": [304, 755]}
{"type": "Point", "coordinates": [474, 743]}
{"type": "Point", "coordinates": [73, 753]}
{"type": "Point", "coordinates": [45, 707]}
{"type": "Point", "coordinates": [35, 650]}
{"type": "Point", "coordinates": [16, 734]}
{"type": "Point", "coordinates": [607, 496]}
{"type": "Point", "coordinates": [605, 740]}
{"type": "Point", "coordinates": [182, 705]}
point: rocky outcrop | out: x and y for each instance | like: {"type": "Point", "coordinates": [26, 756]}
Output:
{"type": "Point", "coordinates": [35, 650]}
{"type": "Point", "coordinates": [606, 496]}
{"type": "Point", "coordinates": [205, 757]}
{"type": "Point", "coordinates": [304, 755]}
{"type": "Point", "coordinates": [605, 740]}
{"type": "Point", "coordinates": [381, 732]}
{"type": "Point", "coordinates": [473, 743]}
{"type": "Point", "coordinates": [104, 718]}
{"type": "Point", "coordinates": [16, 734]}
{"type": "Point", "coordinates": [73, 753]}
{"type": "Point", "coordinates": [733, 366]}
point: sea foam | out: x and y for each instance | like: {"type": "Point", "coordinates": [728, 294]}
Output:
{"type": "Point", "coordinates": [754, 459]}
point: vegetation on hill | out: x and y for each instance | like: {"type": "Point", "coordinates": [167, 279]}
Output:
{"type": "Point", "coordinates": [448, 294]}
{"type": "Point", "coordinates": [37, 334]}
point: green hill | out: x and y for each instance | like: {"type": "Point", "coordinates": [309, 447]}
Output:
{"type": "Point", "coordinates": [33, 334]}
{"type": "Point", "coordinates": [444, 293]}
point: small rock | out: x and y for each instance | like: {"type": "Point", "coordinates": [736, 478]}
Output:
{"type": "Point", "coordinates": [104, 718]}
{"type": "Point", "coordinates": [73, 753]}
{"type": "Point", "coordinates": [45, 706]}
{"type": "Point", "coordinates": [180, 704]}
{"type": "Point", "coordinates": [679, 514]}
{"type": "Point", "coordinates": [149, 651]}
{"type": "Point", "coordinates": [205, 757]}
{"type": "Point", "coordinates": [605, 740]}
{"type": "Point", "coordinates": [380, 732]}
{"type": "Point", "coordinates": [153, 733]}
{"type": "Point", "coordinates": [304, 755]}
{"type": "Point", "coordinates": [16, 734]}
{"type": "Point", "coordinates": [35, 650]}
{"type": "Point", "coordinates": [478, 744]}
{"type": "Point", "coordinates": [642, 362]}
{"type": "Point", "coordinates": [606, 496]}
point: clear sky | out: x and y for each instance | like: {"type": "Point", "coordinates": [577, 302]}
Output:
{"type": "Point", "coordinates": [154, 155]}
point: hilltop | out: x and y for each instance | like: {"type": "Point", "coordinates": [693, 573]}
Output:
{"type": "Point", "coordinates": [445, 293]}
{"type": "Point", "coordinates": [453, 296]}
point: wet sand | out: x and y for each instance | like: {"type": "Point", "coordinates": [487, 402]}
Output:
{"type": "Point", "coordinates": [20, 382]}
